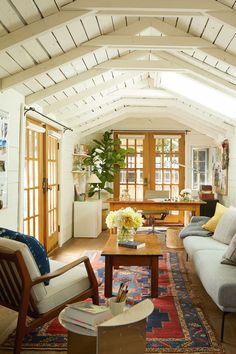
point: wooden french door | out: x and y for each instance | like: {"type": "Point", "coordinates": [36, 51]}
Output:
{"type": "Point", "coordinates": [155, 163]}
{"type": "Point", "coordinates": [41, 184]}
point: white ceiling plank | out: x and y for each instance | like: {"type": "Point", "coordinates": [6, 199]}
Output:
{"type": "Point", "coordinates": [36, 51]}
{"type": "Point", "coordinates": [221, 55]}
{"type": "Point", "coordinates": [47, 8]}
{"type": "Point", "coordinates": [21, 57]}
{"type": "Point", "coordinates": [87, 93]}
{"type": "Point", "coordinates": [105, 24]}
{"type": "Point", "coordinates": [197, 26]}
{"type": "Point", "coordinates": [91, 26]}
{"type": "Point", "coordinates": [9, 64]}
{"type": "Point", "coordinates": [3, 73]}
{"type": "Point", "coordinates": [24, 90]}
{"type": "Point", "coordinates": [148, 5]}
{"type": "Point", "coordinates": [211, 30]}
{"type": "Point", "coordinates": [102, 126]}
{"type": "Point", "coordinates": [45, 80]}
{"type": "Point", "coordinates": [50, 44]}
{"type": "Point", "coordinates": [78, 32]}
{"type": "Point", "coordinates": [56, 75]}
{"type": "Point", "coordinates": [28, 10]}
{"type": "Point", "coordinates": [149, 42]}
{"type": "Point", "coordinates": [46, 66]}
{"type": "Point", "coordinates": [38, 28]}
{"type": "Point", "coordinates": [225, 36]}
{"type": "Point", "coordinates": [224, 17]}
{"type": "Point", "coordinates": [68, 70]}
{"type": "Point", "coordinates": [8, 17]}
{"type": "Point", "coordinates": [37, 96]}
{"type": "Point", "coordinates": [64, 38]}
{"type": "Point", "coordinates": [89, 60]}
{"type": "Point", "coordinates": [33, 85]}
{"type": "Point", "coordinates": [118, 21]}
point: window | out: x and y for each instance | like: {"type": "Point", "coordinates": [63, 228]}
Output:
{"type": "Point", "coordinates": [200, 159]}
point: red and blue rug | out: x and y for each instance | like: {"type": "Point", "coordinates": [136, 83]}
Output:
{"type": "Point", "coordinates": [177, 325]}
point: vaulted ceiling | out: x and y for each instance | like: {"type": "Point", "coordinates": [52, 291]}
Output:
{"type": "Point", "coordinates": [93, 62]}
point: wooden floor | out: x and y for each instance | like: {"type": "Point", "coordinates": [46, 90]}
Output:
{"type": "Point", "coordinates": [73, 248]}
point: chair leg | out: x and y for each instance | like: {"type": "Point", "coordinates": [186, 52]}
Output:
{"type": "Point", "coordinates": [95, 298]}
{"type": "Point", "coordinates": [222, 326]}
{"type": "Point", "coordinates": [186, 257]}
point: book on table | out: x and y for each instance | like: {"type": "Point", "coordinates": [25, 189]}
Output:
{"type": "Point", "coordinates": [87, 313]}
{"type": "Point", "coordinates": [131, 244]}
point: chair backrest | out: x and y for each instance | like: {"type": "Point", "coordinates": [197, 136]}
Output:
{"type": "Point", "coordinates": [125, 333]}
{"type": "Point", "coordinates": [17, 266]}
{"type": "Point", "coordinates": [152, 194]}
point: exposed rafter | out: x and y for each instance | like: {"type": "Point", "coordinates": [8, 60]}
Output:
{"type": "Point", "coordinates": [150, 42]}
{"type": "Point", "coordinates": [38, 28]}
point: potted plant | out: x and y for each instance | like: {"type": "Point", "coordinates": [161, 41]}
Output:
{"type": "Point", "coordinates": [106, 157]}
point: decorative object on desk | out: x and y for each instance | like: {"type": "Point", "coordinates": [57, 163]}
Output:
{"type": "Point", "coordinates": [125, 195]}
{"type": "Point", "coordinates": [127, 222]}
{"type": "Point", "coordinates": [131, 244]}
{"type": "Point", "coordinates": [106, 157]}
{"type": "Point", "coordinates": [186, 194]}
{"type": "Point", "coordinates": [95, 182]}
{"type": "Point", "coordinates": [206, 193]}
{"type": "Point", "coordinates": [177, 324]}
{"type": "Point", "coordinates": [117, 303]}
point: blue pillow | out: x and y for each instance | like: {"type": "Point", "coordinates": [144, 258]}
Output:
{"type": "Point", "coordinates": [37, 250]}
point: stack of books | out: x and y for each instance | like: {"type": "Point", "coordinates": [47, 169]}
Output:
{"type": "Point", "coordinates": [131, 244]}
{"type": "Point", "coordinates": [86, 315]}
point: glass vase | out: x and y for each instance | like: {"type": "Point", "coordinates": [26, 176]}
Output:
{"type": "Point", "coordinates": [124, 234]}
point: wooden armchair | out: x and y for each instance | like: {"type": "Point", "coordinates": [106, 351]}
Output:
{"type": "Point", "coordinates": [22, 287]}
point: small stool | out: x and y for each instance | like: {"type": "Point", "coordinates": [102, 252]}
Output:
{"type": "Point", "coordinates": [172, 237]}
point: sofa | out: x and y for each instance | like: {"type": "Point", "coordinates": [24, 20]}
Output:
{"type": "Point", "coordinates": [209, 251]}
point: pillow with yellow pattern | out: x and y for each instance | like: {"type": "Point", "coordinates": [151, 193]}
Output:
{"type": "Point", "coordinates": [212, 223]}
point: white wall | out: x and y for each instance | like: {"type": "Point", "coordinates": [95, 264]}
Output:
{"type": "Point", "coordinates": [12, 102]}
{"type": "Point", "coordinates": [66, 195]}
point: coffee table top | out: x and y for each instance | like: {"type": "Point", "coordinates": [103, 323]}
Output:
{"type": "Point", "coordinates": [152, 247]}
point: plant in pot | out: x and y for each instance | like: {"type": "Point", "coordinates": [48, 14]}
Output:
{"type": "Point", "coordinates": [106, 157]}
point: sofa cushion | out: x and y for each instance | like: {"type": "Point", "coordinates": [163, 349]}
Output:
{"type": "Point", "coordinates": [38, 291]}
{"type": "Point", "coordinates": [226, 227]}
{"type": "Point", "coordinates": [195, 243]}
{"type": "Point", "coordinates": [211, 224]}
{"type": "Point", "coordinates": [38, 251]}
{"type": "Point", "coordinates": [219, 280]}
{"type": "Point", "coordinates": [230, 255]}
{"type": "Point", "coordinates": [64, 287]}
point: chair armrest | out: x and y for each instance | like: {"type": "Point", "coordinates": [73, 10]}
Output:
{"type": "Point", "coordinates": [63, 270]}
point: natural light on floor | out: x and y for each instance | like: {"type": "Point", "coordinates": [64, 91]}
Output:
{"type": "Point", "coordinates": [200, 93]}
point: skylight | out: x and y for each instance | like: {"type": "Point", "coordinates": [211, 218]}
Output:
{"type": "Point", "coordinates": [200, 93]}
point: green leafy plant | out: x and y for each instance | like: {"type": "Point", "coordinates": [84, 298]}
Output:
{"type": "Point", "coordinates": [106, 157]}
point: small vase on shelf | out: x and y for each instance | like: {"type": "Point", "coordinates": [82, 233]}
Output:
{"type": "Point", "coordinates": [124, 234]}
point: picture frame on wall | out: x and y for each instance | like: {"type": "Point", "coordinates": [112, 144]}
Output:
{"type": "Point", "coordinates": [220, 163]}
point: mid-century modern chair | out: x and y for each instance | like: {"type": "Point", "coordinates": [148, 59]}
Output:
{"type": "Point", "coordinates": [153, 215]}
{"type": "Point", "coordinates": [22, 287]}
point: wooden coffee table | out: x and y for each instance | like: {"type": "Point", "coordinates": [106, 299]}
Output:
{"type": "Point", "coordinates": [116, 256]}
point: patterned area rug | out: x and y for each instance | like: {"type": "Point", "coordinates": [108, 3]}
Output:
{"type": "Point", "coordinates": [177, 324]}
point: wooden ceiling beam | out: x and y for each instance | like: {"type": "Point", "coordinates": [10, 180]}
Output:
{"type": "Point", "coordinates": [148, 5]}
{"type": "Point", "coordinates": [150, 42]}
{"type": "Point", "coordinates": [142, 65]}
{"type": "Point", "coordinates": [38, 28]}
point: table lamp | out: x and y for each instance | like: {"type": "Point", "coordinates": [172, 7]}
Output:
{"type": "Point", "coordinates": [93, 179]}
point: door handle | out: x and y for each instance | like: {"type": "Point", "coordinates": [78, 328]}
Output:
{"type": "Point", "coordinates": [45, 186]}
{"type": "Point", "coordinates": [145, 182]}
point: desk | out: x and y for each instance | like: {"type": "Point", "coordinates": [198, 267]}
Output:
{"type": "Point", "coordinates": [147, 204]}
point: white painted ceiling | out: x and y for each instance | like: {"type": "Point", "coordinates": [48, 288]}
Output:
{"type": "Point", "coordinates": [93, 62]}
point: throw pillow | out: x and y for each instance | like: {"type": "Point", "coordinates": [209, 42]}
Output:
{"type": "Point", "coordinates": [38, 251]}
{"type": "Point", "coordinates": [226, 227]}
{"type": "Point", "coordinates": [230, 255]}
{"type": "Point", "coordinates": [211, 224]}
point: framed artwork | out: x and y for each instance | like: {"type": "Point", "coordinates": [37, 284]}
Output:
{"type": "Point", "coordinates": [220, 163]}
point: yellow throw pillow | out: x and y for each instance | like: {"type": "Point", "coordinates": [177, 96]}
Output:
{"type": "Point", "coordinates": [211, 224]}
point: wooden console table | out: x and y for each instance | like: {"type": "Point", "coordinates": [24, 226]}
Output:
{"type": "Point", "coordinates": [148, 204]}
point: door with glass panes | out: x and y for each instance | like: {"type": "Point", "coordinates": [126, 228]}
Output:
{"type": "Point", "coordinates": [156, 163]}
{"type": "Point", "coordinates": [41, 184]}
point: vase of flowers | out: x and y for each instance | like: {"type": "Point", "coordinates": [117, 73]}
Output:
{"type": "Point", "coordinates": [186, 194]}
{"type": "Point", "coordinates": [127, 222]}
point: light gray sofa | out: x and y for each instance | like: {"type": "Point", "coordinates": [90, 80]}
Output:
{"type": "Point", "coordinates": [206, 252]}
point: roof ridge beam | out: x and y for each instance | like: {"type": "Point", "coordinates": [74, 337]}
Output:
{"type": "Point", "coordinates": [143, 65]}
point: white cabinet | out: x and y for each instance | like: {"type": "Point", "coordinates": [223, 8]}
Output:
{"type": "Point", "coordinates": [87, 218]}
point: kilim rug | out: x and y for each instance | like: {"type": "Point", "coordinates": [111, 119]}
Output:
{"type": "Point", "coordinates": [177, 325]}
